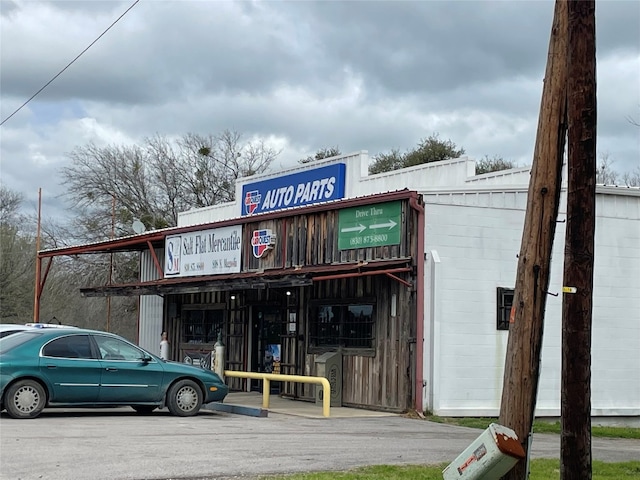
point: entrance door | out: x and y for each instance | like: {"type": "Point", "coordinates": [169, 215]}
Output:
{"type": "Point", "coordinates": [200, 329]}
{"type": "Point", "coordinates": [268, 323]}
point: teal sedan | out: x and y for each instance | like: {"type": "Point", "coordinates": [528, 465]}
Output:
{"type": "Point", "coordinates": [62, 367]}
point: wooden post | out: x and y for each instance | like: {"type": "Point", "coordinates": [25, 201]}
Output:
{"type": "Point", "coordinates": [522, 365]}
{"type": "Point", "coordinates": [38, 281]}
{"type": "Point", "coordinates": [575, 441]}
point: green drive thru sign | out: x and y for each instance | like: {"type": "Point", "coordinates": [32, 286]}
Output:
{"type": "Point", "coordinates": [369, 226]}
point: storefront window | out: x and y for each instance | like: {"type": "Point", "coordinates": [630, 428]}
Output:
{"type": "Point", "coordinates": [349, 326]}
{"type": "Point", "coordinates": [201, 326]}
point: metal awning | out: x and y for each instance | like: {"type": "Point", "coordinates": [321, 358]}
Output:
{"type": "Point", "coordinates": [276, 278]}
{"type": "Point", "coordinates": [156, 238]}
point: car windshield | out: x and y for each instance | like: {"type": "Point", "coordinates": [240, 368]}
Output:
{"type": "Point", "coordinates": [12, 341]}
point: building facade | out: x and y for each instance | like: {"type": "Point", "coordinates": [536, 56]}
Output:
{"type": "Point", "coordinates": [408, 276]}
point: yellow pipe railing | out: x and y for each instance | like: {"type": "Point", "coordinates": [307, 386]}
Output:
{"type": "Point", "coordinates": [277, 377]}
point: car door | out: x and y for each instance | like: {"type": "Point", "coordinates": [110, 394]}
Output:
{"type": "Point", "coordinates": [125, 376]}
{"type": "Point", "coordinates": [72, 369]}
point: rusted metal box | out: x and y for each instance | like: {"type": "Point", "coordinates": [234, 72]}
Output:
{"type": "Point", "coordinates": [329, 365]}
{"type": "Point", "coordinates": [489, 457]}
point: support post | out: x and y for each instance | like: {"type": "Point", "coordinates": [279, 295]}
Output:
{"type": "Point", "coordinates": [38, 284]}
{"type": "Point", "coordinates": [266, 392]}
{"type": "Point", "coordinates": [522, 363]}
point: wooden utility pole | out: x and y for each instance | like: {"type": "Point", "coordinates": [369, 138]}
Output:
{"type": "Point", "coordinates": [575, 441]}
{"type": "Point", "coordinates": [522, 365]}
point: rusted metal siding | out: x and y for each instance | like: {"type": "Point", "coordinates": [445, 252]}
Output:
{"type": "Point", "coordinates": [312, 239]}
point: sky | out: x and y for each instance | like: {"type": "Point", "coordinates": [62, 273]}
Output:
{"type": "Point", "coordinates": [303, 75]}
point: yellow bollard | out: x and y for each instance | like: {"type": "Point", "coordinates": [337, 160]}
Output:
{"type": "Point", "coordinates": [266, 387]}
{"type": "Point", "coordinates": [266, 391]}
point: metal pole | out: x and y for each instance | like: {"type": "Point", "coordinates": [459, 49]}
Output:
{"type": "Point", "coordinates": [38, 293]}
{"type": "Point", "coordinates": [113, 232]}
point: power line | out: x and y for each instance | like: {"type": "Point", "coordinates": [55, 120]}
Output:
{"type": "Point", "coordinates": [69, 64]}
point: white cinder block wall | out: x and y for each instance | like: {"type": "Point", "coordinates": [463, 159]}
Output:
{"type": "Point", "coordinates": [615, 372]}
{"type": "Point", "coordinates": [477, 247]}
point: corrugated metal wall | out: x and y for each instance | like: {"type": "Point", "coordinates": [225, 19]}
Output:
{"type": "Point", "coordinates": [151, 306]}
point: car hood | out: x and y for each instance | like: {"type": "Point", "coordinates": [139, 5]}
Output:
{"type": "Point", "coordinates": [178, 367]}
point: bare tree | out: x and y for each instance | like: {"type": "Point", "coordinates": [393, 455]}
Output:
{"type": "Point", "coordinates": [110, 187]}
{"type": "Point", "coordinates": [632, 178]}
{"type": "Point", "coordinates": [157, 180]}
{"type": "Point", "coordinates": [17, 252]}
{"type": "Point", "coordinates": [605, 174]}
{"type": "Point", "coordinates": [217, 162]}
{"type": "Point", "coordinates": [9, 204]}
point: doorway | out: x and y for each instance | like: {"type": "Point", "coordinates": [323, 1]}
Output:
{"type": "Point", "coordinates": [200, 329]}
{"type": "Point", "coordinates": [268, 328]}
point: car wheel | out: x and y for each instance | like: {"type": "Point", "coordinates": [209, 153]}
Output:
{"type": "Point", "coordinates": [184, 398]}
{"type": "Point", "coordinates": [143, 409]}
{"type": "Point", "coordinates": [25, 399]}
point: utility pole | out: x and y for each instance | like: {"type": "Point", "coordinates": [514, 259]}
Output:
{"type": "Point", "coordinates": [575, 440]}
{"type": "Point", "coordinates": [522, 363]}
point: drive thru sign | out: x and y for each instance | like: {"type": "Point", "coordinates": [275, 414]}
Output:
{"type": "Point", "coordinates": [369, 226]}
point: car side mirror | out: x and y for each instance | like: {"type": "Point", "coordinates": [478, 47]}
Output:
{"type": "Point", "coordinates": [145, 359]}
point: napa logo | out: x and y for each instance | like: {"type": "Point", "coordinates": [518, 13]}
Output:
{"type": "Point", "coordinates": [251, 201]}
{"type": "Point", "coordinates": [262, 241]}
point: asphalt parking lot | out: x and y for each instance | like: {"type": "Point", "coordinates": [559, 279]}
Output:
{"type": "Point", "coordinates": [119, 444]}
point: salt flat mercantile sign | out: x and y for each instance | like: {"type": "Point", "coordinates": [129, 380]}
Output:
{"type": "Point", "coordinates": [205, 252]}
{"type": "Point", "coordinates": [369, 226]}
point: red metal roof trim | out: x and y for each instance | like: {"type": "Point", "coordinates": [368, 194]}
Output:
{"type": "Point", "coordinates": [370, 266]}
{"type": "Point", "coordinates": [141, 242]}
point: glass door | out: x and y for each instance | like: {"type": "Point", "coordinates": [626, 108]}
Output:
{"type": "Point", "coordinates": [200, 330]}
{"type": "Point", "coordinates": [268, 328]}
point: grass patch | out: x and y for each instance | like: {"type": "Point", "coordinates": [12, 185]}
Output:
{"type": "Point", "coordinates": [540, 470]}
{"type": "Point", "coordinates": [538, 426]}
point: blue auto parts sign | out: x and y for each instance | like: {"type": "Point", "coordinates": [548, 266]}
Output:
{"type": "Point", "coordinates": [304, 188]}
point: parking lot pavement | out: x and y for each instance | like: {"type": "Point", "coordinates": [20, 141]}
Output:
{"type": "Point", "coordinates": [118, 444]}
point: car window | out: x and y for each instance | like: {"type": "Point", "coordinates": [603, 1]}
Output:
{"type": "Point", "coordinates": [70, 346]}
{"type": "Point", "coordinates": [12, 341]}
{"type": "Point", "coordinates": [6, 333]}
{"type": "Point", "coordinates": [116, 349]}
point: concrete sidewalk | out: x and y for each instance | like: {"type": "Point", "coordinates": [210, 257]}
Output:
{"type": "Point", "coordinates": [250, 403]}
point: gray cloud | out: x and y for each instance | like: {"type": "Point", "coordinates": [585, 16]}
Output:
{"type": "Point", "coordinates": [360, 75]}
{"type": "Point", "coordinates": [7, 8]}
